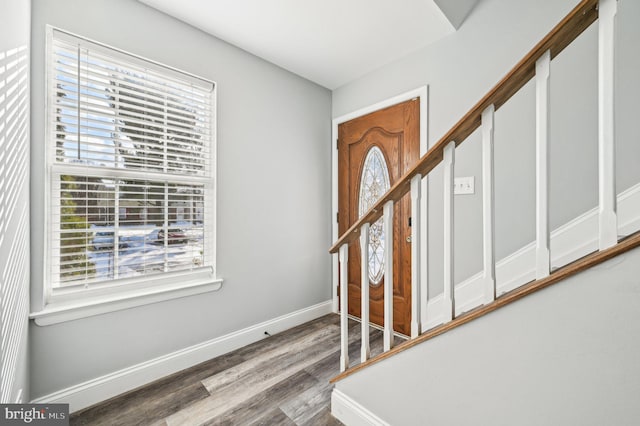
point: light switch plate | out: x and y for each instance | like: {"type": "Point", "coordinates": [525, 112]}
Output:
{"type": "Point", "coordinates": [464, 185]}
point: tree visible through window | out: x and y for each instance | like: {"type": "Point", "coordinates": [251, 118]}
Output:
{"type": "Point", "coordinates": [131, 191]}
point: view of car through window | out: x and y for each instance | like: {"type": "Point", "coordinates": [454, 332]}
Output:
{"type": "Point", "coordinates": [174, 235]}
{"type": "Point", "coordinates": [144, 249]}
{"type": "Point", "coordinates": [104, 240]}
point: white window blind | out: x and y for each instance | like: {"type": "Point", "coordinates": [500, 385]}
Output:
{"type": "Point", "coordinates": [131, 166]}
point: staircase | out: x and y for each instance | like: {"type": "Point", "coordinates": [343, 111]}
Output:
{"type": "Point", "coordinates": [491, 295]}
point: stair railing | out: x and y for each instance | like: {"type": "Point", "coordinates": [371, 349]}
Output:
{"type": "Point", "coordinates": [535, 64]}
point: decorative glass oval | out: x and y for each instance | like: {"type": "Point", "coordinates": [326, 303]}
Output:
{"type": "Point", "coordinates": [374, 182]}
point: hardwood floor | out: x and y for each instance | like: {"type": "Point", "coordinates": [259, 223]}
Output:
{"type": "Point", "coordinates": [281, 380]}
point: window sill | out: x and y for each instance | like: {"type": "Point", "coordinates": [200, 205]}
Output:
{"type": "Point", "coordinates": [57, 312]}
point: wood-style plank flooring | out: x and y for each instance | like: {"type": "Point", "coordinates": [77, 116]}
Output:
{"type": "Point", "coordinates": [280, 380]}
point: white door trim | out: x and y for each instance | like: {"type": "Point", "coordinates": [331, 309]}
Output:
{"type": "Point", "coordinates": [422, 93]}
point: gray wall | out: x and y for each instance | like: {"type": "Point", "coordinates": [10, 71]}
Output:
{"type": "Point", "coordinates": [273, 196]}
{"type": "Point", "coordinates": [15, 24]}
{"type": "Point", "coordinates": [562, 356]}
{"type": "Point", "coordinates": [462, 68]}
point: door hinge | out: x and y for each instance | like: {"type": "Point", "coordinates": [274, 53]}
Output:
{"type": "Point", "coordinates": [337, 144]}
{"type": "Point", "coordinates": [337, 217]}
{"type": "Point", "coordinates": [409, 220]}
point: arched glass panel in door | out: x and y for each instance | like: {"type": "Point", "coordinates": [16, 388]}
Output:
{"type": "Point", "coordinates": [374, 182]}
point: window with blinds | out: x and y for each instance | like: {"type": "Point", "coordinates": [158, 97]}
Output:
{"type": "Point", "coordinates": [130, 154]}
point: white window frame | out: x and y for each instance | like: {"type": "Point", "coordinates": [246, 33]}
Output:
{"type": "Point", "coordinates": [60, 304]}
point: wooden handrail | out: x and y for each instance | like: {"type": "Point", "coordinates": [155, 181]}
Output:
{"type": "Point", "coordinates": [578, 20]}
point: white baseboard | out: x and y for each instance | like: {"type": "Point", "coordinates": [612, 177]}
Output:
{"type": "Point", "coordinates": [571, 241]}
{"type": "Point", "coordinates": [102, 388]}
{"type": "Point", "coordinates": [352, 413]}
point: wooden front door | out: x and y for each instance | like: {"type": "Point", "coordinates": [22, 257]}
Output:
{"type": "Point", "coordinates": [374, 151]}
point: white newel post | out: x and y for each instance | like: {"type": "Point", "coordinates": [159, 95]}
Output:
{"type": "Point", "coordinates": [608, 221]}
{"type": "Point", "coordinates": [488, 203]}
{"type": "Point", "coordinates": [416, 191]}
{"type": "Point", "coordinates": [543, 254]}
{"type": "Point", "coordinates": [449, 286]}
{"type": "Point", "coordinates": [344, 307]}
{"type": "Point", "coordinates": [365, 352]}
{"type": "Point", "coordinates": [388, 275]}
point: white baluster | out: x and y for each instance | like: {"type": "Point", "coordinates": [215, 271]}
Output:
{"type": "Point", "coordinates": [344, 307]}
{"type": "Point", "coordinates": [388, 275]}
{"type": "Point", "coordinates": [488, 203]}
{"type": "Point", "coordinates": [416, 192]}
{"type": "Point", "coordinates": [543, 258]}
{"type": "Point", "coordinates": [365, 352]}
{"type": "Point", "coordinates": [449, 290]}
{"type": "Point", "coordinates": [608, 221]}
{"type": "Point", "coordinates": [424, 256]}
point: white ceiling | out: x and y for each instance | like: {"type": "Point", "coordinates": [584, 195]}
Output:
{"type": "Point", "coordinates": [330, 42]}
